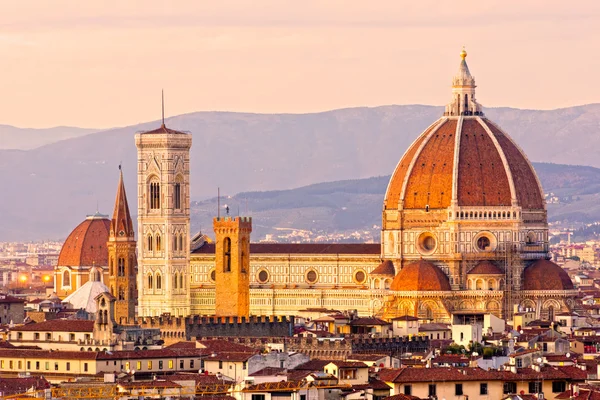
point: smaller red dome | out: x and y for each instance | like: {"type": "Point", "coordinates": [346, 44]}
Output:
{"type": "Point", "coordinates": [421, 276]}
{"type": "Point", "coordinates": [485, 268]}
{"type": "Point", "coordinates": [86, 245]}
{"type": "Point", "coordinates": [546, 275]}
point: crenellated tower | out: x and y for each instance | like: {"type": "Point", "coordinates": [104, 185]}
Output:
{"type": "Point", "coordinates": [232, 278]}
{"type": "Point", "coordinates": [122, 258]}
{"type": "Point", "coordinates": [163, 221]}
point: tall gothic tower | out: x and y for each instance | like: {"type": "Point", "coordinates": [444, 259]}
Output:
{"type": "Point", "coordinates": [122, 259]}
{"type": "Point", "coordinates": [163, 221]}
{"type": "Point", "coordinates": [232, 251]}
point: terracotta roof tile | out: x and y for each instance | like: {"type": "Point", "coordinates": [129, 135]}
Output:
{"type": "Point", "coordinates": [546, 275]}
{"type": "Point", "coordinates": [86, 245]}
{"type": "Point", "coordinates": [420, 276]}
{"type": "Point", "coordinates": [385, 268]}
{"type": "Point", "coordinates": [57, 325]}
{"type": "Point", "coordinates": [303, 248]}
{"type": "Point", "coordinates": [485, 268]}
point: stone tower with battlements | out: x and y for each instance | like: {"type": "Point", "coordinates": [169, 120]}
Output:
{"type": "Point", "coordinates": [232, 263]}
{"type": "Point", "coordinates": [163, 222]}
{"type": "Point", "coordinates": [122, 261]}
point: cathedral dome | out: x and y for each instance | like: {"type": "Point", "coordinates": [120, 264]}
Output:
{"type": "Point", "coordinates": [546, 275]}
{"type": "Point", "coordinates": [420, 276]}
{"type": "Point", "coordinates": [463, 159]}
{"type": "Point", "coordinates": [86, 245]}
{"type": "Point", "coordinates": [485, 268]}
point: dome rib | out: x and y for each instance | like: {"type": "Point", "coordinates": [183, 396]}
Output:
{"type": "Point", "coordinates": [420, 276]}
{"type": "Point", "coordinates": [396, 186]}
{"type": "Point", "coordinates": [522, 171]}
{"type": "Point", "coordinates": [428, 180]}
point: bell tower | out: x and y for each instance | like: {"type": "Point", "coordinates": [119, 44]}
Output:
{"type": "Point", "coordinates": [163, 222]}
{"type": "Point", "coordinates": [122, 262]}
{"type": "Point", "coordinates": [232, 259]}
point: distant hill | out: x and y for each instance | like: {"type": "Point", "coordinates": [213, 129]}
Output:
{"type": "Point", "coordinates": [49, 190]}
{"type": "Point", "coordinates": [15, 138]}
{"type": "Point", "coordinates": [356, 204]}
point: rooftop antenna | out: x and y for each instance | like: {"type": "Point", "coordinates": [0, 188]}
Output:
{"type": "Point", "coordinates": [162, 92]}
{"type": "Point", "coordinates": [219, 203]}
{"type": "Point", "coordinates": [120, 162]}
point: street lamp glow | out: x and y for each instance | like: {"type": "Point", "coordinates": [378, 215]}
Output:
{"type": "Point", "coordinates": [23, 278]}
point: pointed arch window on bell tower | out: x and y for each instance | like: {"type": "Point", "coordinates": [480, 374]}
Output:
{"type": "Point", "coordinates": [121, 266]}
{"type": "Point", "coordinates": [177, 196]}
{"type": "Point", "coordinates": [154, 195]}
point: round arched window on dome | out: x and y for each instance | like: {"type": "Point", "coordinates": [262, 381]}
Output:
{"type": "Point", "coordinates": [427, 243]}
{"type": "Point", "coordinates": [263, 276]}
{"type": "Point", "coordinates": [360, 276]}
{"type": "Point", "coordinates": [312, 276]}
{"type": "Point", "coordinates": [212, 275]}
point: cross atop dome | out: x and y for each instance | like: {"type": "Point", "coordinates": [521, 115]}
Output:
{"type": "Point", "coordinates": [463, 91]}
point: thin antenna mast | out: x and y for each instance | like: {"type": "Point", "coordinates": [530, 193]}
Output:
{"type": "Point", "coordinates": [162, 92]}
{"type": "Point", "coordinates": [219, 202]}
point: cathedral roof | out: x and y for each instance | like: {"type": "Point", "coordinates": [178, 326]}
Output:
{"type": "Point", "coordinates": [302, 248]}
{"type": "Point", "coordinates": [121, 220]}
{"type": "Point", "coordinates": [86, 244]}
{"type": "Point", "coordinates": [485, 268]}
{"type": "Point", "coordinates": [421, 276]}
{"type": "Point", "coordinates": [385, 268]}
{"type": "Point", "coordinates": [546, 275]}
{"type": "Point", "coordinates": [464, 159]}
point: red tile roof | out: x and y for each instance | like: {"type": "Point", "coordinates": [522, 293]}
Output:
{"type": "Point", "coordinates": [385, 268]}
{"type": "Point", "coordinates": [163, 130]}
{"type": "Point", "coordinates": [303, 248]}
{"type": "Point", "coordinates": [57, 325]}
{"type": "Point", "coordinates": [421, 276]}
{"type": "Point", "coordinates": [13, 386]}
{"type": "Point", "coordinates": [485, 268]}
{"type": "Point", "coordinates": [546, 275]}
{"type": "Point", "coordinates": [86, 245]}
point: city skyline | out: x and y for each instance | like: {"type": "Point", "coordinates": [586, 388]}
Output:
{"type": "Point", "coordinates": [83, 64]}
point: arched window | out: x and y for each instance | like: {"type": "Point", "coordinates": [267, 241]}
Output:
{"type": "Point", "coordinates": [181, 242]}
{"type": "Point", "coordinates": [492, 284]}
{"type": "Point", "coordinates": [177, 196]}
{"type": "Point", "coordinates": [111, 264]}
{"type": "Point", "coordinates": [150, 242]}
{"type": "Point", "coordinates": [226, 254]}
{"type": "Point", "coordinates": [150, 281]}
{"type": "Point", "coordinates": [175, 281]}
{"type": "Point", "coordinates": [181, 281]}
{"type": "Point", "coordinates": [158, 281]}
{"type": "Point", "coordinates": [550, 313]}
{"type": "Point", "coordinates": [428, 313]}
{"type": "Point", "coordinates": [66, 278]}
{"type": "Point", "coordinates": [479, 284]}
{"type": "Point", "coordinates": [158, 243]}
{"type": "Point", "coordinates": [174, 242]}
{"type": "Point", "coordinates": [121, 293]}
{"type": "Point", "coordinates": [121, 266]}
{"type": "Point", "coordinates": [387, 283]}
{"type": "Point", "coordinates": [154, 195]}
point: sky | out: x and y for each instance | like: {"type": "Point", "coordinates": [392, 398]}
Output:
{"type": "Point", "coordinates": [100, 64]}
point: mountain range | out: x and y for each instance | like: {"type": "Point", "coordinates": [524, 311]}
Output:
{"type": "Point", "coordinates": [49, 189]}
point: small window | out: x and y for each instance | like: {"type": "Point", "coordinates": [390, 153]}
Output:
{"type": "Point", "coordinates": [28, 365]}
{"type": "Point", "coordinates": [85, 367]}
{"type": "Point", "coordinates": [559, 386]}
{"type": "Point", "coordinates": [170, 364]}
{"type": "Point", "coordinates": [181, 364]}
{"type": "Point", "coordinates": [68, 366]}
{"type": "Point", "coordinates": [48, 336]}
{"type": "Point", "coordinates": [227, 255]}
{"type": "Point", "coordinates": [37, 365]}
{"type": "Point", "coordinates": [160, 364]}
{"type": "Point", "coordinates": [458, 389]}
{"type": "Point", "coordinates": [408, 390]}
{"type": "Point", "coordinates": [158, 281]}
{"type": "Point", "coordinates": [535, 387]}
{"type": "Point", "coordinates": [258, 397]}
{"type": "Point", "coordinates": [154, 196]}
{"type": "Point", "coordinates": [483, 388]}
{"type": "Point", "coordinates": [150, 281]}
{"type": "Point", "coordinates": [177, 195]}
{"type": "Point", "coordinates": [244, 365]}
{"type": "Point", "coordinates": [220, 364]}
{"type": "Point", "coordinates": [71, 337]}
{"type": "Point", "coordinates": [149, 365]}
{"type": "Point", "coordinates": [138, 365]}
{"type": "Point", "coordinates": [519, 363]}
{"type": "Point", "coordinates": [432, 390]}
{"type": "Point", "coordinates": [191, 364]}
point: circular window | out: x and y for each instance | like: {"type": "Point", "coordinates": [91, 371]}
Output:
{"type": "Point", "coordinates": [213, 275]}
{"type": "Point", "coordinates": [485, 241]}
{"type": "Point", "coordinates": [312, 276]}
{"type": "Point", "coordinates": [263, 276]}
{"type": "Point", "coordinates": [360, 276]}
{"type": "Point", "coordinates": [427, 243]}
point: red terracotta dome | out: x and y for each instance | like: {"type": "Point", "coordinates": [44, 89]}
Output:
{"type": "Point", "coordinates": [420, 276]}
{"type": "Point", "coordinates": [485, 268]}
{"type": "Point", "coordinates": [482, 167]}
{"type": "Point", "coordinates": [86, 245]}
{"type": "Point", "coordinates": [546, 275]}
{"type": "Point", "coordinates": [385, 268]}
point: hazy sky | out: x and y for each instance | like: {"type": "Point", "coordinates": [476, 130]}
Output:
{"type": "Point", "coordinates": [103, 63]}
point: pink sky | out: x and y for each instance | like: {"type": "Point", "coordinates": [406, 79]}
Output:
{"type": "Point", "coordinates": [103, 63]}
